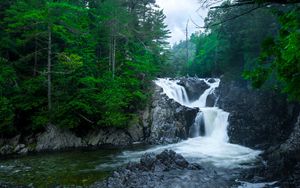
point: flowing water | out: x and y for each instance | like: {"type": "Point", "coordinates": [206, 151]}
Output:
{"type": "Point", "coordinates": [209, 142]}
{"type": "Point", "coordinates": [208, 145]}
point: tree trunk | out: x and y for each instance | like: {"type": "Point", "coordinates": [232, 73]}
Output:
{"type": "Point", "coordinates": [49, 67]}
{"type": "Point", "coordinates": [35, 57]}
{"type": "Point", "coordinates": [187, 41]}
{"type": "Point", "coordinates": [110, 54]}
{"type": "Point", "coordinates": [113, 56]}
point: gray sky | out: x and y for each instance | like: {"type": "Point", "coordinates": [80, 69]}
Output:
{"type": "Point", "coordinates": [178, 12]}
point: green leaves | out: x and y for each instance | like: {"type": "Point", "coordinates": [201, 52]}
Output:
{"type": "Point", "coordinates": [7, 115]}
{"type": "Point", "coordinates": [84, 94]}
{"type": "Point", "coordinates": [281, 56]}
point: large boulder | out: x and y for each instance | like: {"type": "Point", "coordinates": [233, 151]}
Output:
{"type": "Point", "coordinates": [57, 139]}
{"type": "Point", "coordinates": [170, 122]}
{"type": "Point", "coordinates": [151, 171]}
{"type": "Point", "coordinates": [258, 118]}
{"type": "Point", "coordinates": [283, 161]}
{"type": "Point", "coordinates": [194, 87]}
{"type": "Point", "coordinates": [6, 150]}
{"type": "Point", "coordinates": [108, 136]}
{"type": "Point", "coordinates": [167, 169]}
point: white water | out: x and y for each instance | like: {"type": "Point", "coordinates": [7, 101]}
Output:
{"type": "Point", "coordinates": [212, 148]}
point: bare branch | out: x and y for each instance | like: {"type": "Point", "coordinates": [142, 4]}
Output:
{"type": "Point", "coordinates": [85, 118]}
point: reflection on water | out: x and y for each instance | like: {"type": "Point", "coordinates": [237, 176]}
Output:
{"type": "Point", "coordinates": [61, 168]}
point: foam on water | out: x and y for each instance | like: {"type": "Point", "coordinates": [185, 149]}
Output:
{"type": "Point", "coordinates": [213, 147]}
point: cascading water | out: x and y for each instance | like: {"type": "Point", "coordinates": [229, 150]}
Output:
{"type": "Point", "coordinates": [197, 129]}
{"type": "Point", "coordinates": [209, 140]}
{"type": "Point", "coordinates": [215, 119]}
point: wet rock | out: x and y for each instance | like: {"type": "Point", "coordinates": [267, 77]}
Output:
{"type": "Point", "coordinates": [257, 118]}
{"type": "Point", "coordinates": [194, 87]}
{"type": "Point", "coordinates": [147, 160]}
{"type": "Point", "coordinates": [109, 136]}
{"type": "Point", "coordinates": [167, 169]}
{"type": "Point", "coordinates": [211, 100]}
{"type": "Point", "coordinates": [6, 150]}
{"type": "Point", "coordinates": [164, 171]}
{"type": "Point", "coordinates": [293, 141]}
{"type": "Point", "coordinates": [19, 148]}
{"type": "Point", "coordinates": [57, 139]}
{"type": "Point", "coordinates": [23, 151]}
{"type": "Point", "coordinates": [170, 122]}
{"type": "Point", "coordinates": [211, 80]}
{"type": "Point", "coordinates": [283, 160]}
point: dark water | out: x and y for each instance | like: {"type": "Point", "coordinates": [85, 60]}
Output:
{"type": "Point", "coordinates": [63, 168]}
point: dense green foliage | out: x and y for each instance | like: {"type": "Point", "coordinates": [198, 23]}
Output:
{"type": "Point", "coordinates": [280, 57]}
{"type": "Point", "coordinates": [77, 64]}
{"type": "Point", "coordinates": [260, 42]}
{"type": "Point", "coordinates": [230, 47]}
{"type": "Point", "coordinates": [180, 57]}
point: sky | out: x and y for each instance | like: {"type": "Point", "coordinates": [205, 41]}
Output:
{"type": "Point", "coordinates": [178, 12]}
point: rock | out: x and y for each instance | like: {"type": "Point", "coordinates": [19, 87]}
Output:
{"type": "Point", "coordinates": [19, 148]}
{"type": "Point", "coordinates": [30, 139]}
{"type": "Point", "coordinates": [57, 139]}
{"type": "Point", "coordinates": [257, 117]}
{"type": "Point", "coordinates": [23, 151]}
{"type": "Point", "coordinates": [194, 87]}
{"type": "Point", "coordinates": [108, 136]}
{"type": "Point", "coordinates": [211, 100]}
{"type": "Point", "coordinates": [293, 142]}
{"type": "Point", "coordinates": [14, 141]}
{"type": "Point", "coordinates": [170, 122]}
{"type": "Point", "coordinates": [6, 150]}
{"type": "Point", "coordinates": [136, 131]}
{"type": "Point", "coordinates": [283, 160]}
{"type": "Point", "coordinates": [211, 80]}
{"type": "Point", "coordinates": [168, 169]}
{"type": "Point", "coordinates": [147, 160]}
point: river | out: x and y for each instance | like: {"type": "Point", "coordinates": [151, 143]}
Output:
{"type": "Point", "coordinates": [208, 146]}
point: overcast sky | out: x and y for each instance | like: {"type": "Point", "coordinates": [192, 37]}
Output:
{"type": "Point", "coordinates": [178, 12]}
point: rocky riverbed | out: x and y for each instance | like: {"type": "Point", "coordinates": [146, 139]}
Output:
{"type": "Point", "coordinates": [167, 169]}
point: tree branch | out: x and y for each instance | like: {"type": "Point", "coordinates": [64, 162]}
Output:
{"type": "Point", "coordinates": [234, 17]}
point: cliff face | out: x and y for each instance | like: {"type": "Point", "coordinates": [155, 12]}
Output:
{"type": "Point", "coordinates": [265, 120]}
{"type": "Point", "coordinates": [258, 118]}
{"type": "Point", "coordinates": [169, 121]}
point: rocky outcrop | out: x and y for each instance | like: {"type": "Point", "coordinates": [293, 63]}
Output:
{"type": "Point", "coordinates": [14, 145]}
{"type": "Point", "coordinates": [283, 160]}
{"type": "Point", "coordinates": [170, 122]}
{"type": "Point", "coordinates": [258, 118]}
{"type": "Point", "coordinates": [293, 142]}
{"type": "Point", "coordinates": [56, 139]}
{"type": "Point", "coordinates": [167, 169]}
{"type": "Point", "coordinates": [109, 136]}
{"type": "Point", "coordinates": [194, 87]}
{"type": "Point", "coordinates": [266, 120]}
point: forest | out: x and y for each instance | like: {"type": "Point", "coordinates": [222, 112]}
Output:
{"type": "Point", "coordinates": [94, 93]}
{"type": "Point", "coordinates": [77, 64]}
{"type": "Point", "coordinates": [82, 64]}
{"type": "Point", "coordinates": [257, 42]}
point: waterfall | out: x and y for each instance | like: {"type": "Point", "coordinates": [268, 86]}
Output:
{"type": "Point", "coordinates": [208, 142]}
{"type": "Point", "coordinates": [197, 129]}
{"type": "Point", "coordinates": [210, 121]}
